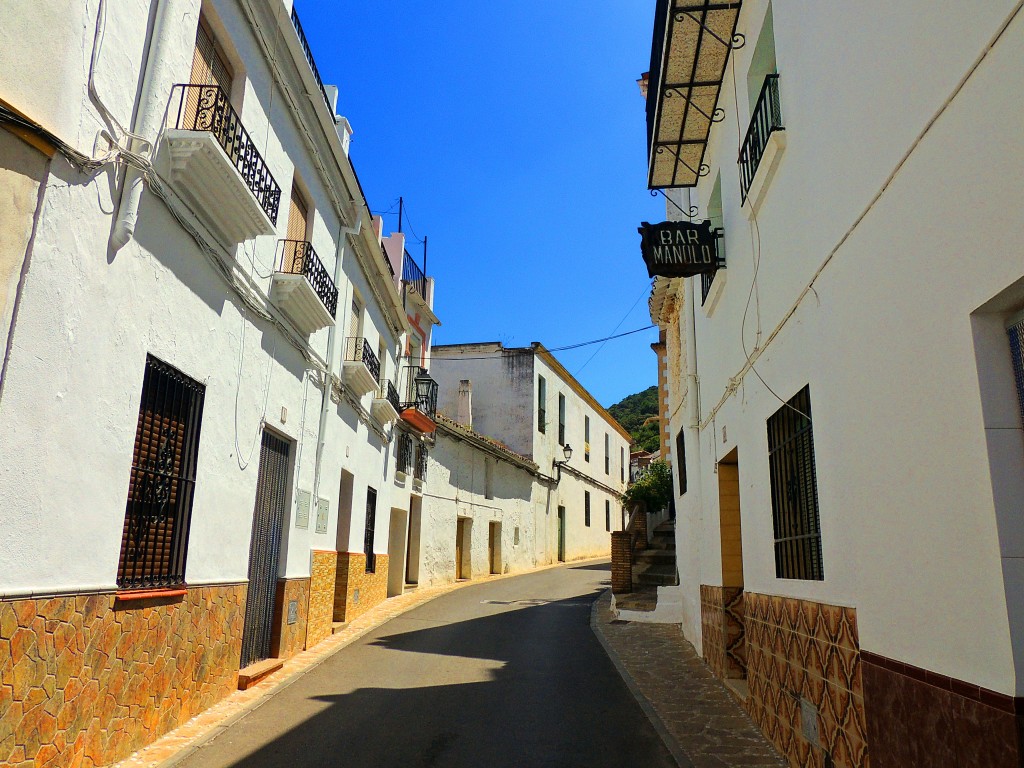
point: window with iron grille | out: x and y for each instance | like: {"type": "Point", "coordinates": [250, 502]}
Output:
{"type": "Point", "coordinates": [561, 419]}
{"type": "Point", "coordinates": [795, 491]}
{"type": "Point", "coordinates": [607, 515]}
{"type": "Point", "coordinates": [622, 464]}
{"type": "Point", "coordinates": [542, 395]}
{"type": "Point", "coordinates": [586, 508]}
{"type": "Point", "coordinates": [680, 458]}
{"type": "Point", "coordinates": [1016, 333]}
{"type": "Point", "coordinates": [405, 453]}
{"type": "Point", "coordinates": [161, 487]}
{"type": "Point", "coordinates": [607, 455]}
{"type": "Point", "coordinates": [371, 524]}
{"type": "Point", "coordinates": [586, 438]}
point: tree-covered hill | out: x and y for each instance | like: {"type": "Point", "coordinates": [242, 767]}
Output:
{"type": "Point", "coordinates": [631, 412]}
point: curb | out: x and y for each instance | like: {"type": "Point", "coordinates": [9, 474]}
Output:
{"type": "Point", "coordinates": [202, 739]}
{"type": "Point", "coordinates": [681, 758]}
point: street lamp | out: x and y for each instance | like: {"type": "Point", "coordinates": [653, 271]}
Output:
{"type": "Point", "coordinates": [557, 465]}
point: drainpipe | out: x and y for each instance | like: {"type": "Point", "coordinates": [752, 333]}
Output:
{"type": "Point", "coordinates": [332, 340]}
{"type": "Point", "coordinates": [146, 123]}
{"type": "Point", "coordinates": [693, 429]}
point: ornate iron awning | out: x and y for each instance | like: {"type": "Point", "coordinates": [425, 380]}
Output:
{"type": "Point", "coordinates": [692, 41]}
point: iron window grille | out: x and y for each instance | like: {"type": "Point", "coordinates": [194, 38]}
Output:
{"type": "Point", "coordinates": [607, 456]}
{"type": "Point", "coordinates": [404, 456]}
{"type": "Point", "coordinates": [420, 469]}
{"type": "Point", "coordinates": [207, 108]}
{"type": "Point", "coordinates": [1016, 333]}
{"type": "Point", "coordinates": [358, 350]}
{"type": "Point", "coordinates": [795, 491]}
{"type": "Point", "coordinates": [413, 276]}
{"type": "Point", "coordinates": [586, 438]}
{"type": "Point", "coordinates": [161, 487]}
{"type": "Point", "coordinates": [766, 119]}
{"type": "Point", "coordinates": [607, 515]}
{"type": "Point", "coordinates": [586, 508]}
{"type": "Point", "coordinates": [368, 534]}
{"type": "Point", "coordinates": [542, 394]}
{"type": "Point", "coordinates": [680, 458]}
{"type": "Point", "coordinates": [299, 258]}
{"type": "Point", "coordinates": [561, 419]}
{"type": "Point", "coordinates": [309, 57]}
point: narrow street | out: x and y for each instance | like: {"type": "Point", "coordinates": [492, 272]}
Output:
{"type": "Point", "coordinates": [502, 674]}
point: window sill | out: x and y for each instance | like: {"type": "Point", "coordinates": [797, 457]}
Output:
{"type": "Point", "coordinates": [715, 292]}
{"type": "Point", "coordinates": [158, 593]}
{"type": "Point", "coordinates": [765, 172]}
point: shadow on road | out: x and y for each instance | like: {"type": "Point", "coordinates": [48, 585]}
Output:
{"type": "Point", "coordinates": [528, 685]}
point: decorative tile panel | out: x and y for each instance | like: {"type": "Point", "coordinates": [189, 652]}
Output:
{"type": "Point", "coordinates": [291, 612]}
{"type": "Point", "coordinates": [723, 630]}
{"type": "Point", "coordinates": [355, 590]}
{"type": "Point", "coordinates": [802, 652]}
{"type": "Point", "coordinates": [87, 680]}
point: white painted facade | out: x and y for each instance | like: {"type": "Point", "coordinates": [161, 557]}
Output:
{"type": "Point", "coordinates": [884, 279]}
{"type": "Point", "coordinates": [88, 314]}
{"type": "Point", "coordinates": [506, 394]}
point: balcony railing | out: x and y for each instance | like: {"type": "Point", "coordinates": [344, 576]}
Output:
{"type": "Point", "coordinates": [423, 393]}
{"type": "Point", "coordinates": [207, 108]}
{"type": "Point", "coordinates": [767, 119]}
{"type": "Point", "coordinates": [309, 56]}
{"type": "Point", "coordinates": [299, 258]}
{"type": "Point", "coordinates": [389, 393]}
{"type": "Point", "coordinates": [419, 471]}
{"type": "Point", "coordinates": [413, 276]}
{"type": "Point", "coordinates": [357, 350]}
{"type": "Point", "coordinates": [405, 453]}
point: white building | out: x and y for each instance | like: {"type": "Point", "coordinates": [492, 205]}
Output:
{"type": "Point", "coordinates": [846, 394]}
{"type": "Point", "coordinates": [524, 398]}
{"type": "Point", "coordinates": [197, 468]}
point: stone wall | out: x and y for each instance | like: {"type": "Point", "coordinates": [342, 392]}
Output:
{"type": "Point", "coordinates": [355, 590]}
{"type": "Point", "coordinates": [321, 596]}
{"type": "Point", "coordinates": [88, 679]}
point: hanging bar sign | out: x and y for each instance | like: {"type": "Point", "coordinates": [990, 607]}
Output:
{"type": "Point", "coordinates": [679, 248]}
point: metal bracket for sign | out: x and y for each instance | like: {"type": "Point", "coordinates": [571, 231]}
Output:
{"type": "Point", "coordinates": [715, 117]}
{"type": "Point", "coordinates": [693, 208]}
{"type": "Point", "coordinates": [738, 39]}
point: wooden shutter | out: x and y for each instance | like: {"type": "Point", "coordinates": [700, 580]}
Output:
{"type": "Point", "coordinates": [208, 66]}
{"type": "Point", "coordinates": [298, 216]}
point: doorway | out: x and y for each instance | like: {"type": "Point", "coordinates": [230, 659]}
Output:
{"type": "Point", "coordinates": [561, 534]}
{"type": "Point", "coordinates": [268, 521]}
{"type": "Point", "coordinates": [732, 565]}
{"type": "Point", "coordinates": [494, 547]}
{"type": "Point", "coordinates": [397, 551]}
{"type": "Point", "coordinates": [412, 545]}
{"type": "Point", "coordinates": [461, 530]}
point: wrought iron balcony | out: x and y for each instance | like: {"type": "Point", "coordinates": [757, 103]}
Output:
{"type": "Point", "coordinates": [386, 405]}
{"type": "Point", "coordinates": [766, 120]}
{"type": "Point", "coordinates": [309, 56]}
{"type": "Point", "coordinates": [414, 277]}
{"type": "Point", "coordinates": [404, 455]}
{"type": "Point", "coordinates": [303, 288]}
{"type": "Point", "coordinates": [361, 366]}
{"type": "Point", "coordinates": [207, 108]}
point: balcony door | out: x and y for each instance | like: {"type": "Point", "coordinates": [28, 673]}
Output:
{"type": "Point", "coordinates": [298, 216]}
{"type": "Point", "coordinates": [209, 66]}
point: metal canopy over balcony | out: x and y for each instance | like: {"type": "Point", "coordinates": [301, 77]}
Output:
{"type": "Point", "coordinates": [692, 41]}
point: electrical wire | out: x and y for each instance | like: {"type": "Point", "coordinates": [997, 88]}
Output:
{"type": "Point", "coordinates": [530, 351]}
{"type": "Point", "coordinates": [645, 292]}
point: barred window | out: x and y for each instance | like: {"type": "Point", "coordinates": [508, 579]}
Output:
{"type": "Point", "coordinates": [542, 395]}
{"type": "Point", "coordinates": [161, 487]}
{"type": "Point", "coordinates": [680, 459]}
{"type": "Point", "coordinates": [561, 419]}
{"type": "Point", "coordinates": [586, 508]}
{"type": "Point", "coordinates": [1016, 333]}
{"type": "Point", "coordinates": [607, 515]}
{"type": "Point", "coordinates": [795, 491]}
{"type": "Point", "coordinates": [370, 530]}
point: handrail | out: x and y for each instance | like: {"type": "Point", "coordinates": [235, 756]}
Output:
{"type": "Point", "coordinates": [299, 258]}
{"type": "Point", "coordinates": [414, 276]}
{"type": "Point", "coordinates": [207, 108]}
{"type": "Point", "coordinates": [309, 56]}
{"type": "Point", "coordinates": [357, 350]}
{"type": "Point", "coordinates": [764, 121]}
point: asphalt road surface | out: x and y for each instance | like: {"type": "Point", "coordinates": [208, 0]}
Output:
{"type": "Point", "coordinates": [506, 673]}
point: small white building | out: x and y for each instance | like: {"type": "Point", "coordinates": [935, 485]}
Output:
{"type": "Point", "coordinates": [526, 399]}
{"type": "Point", "coordinates": [846, 390]}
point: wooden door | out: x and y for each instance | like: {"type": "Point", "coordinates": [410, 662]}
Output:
{"type": "Point", "coordinates": [460, 534]}
{"type": "Point", "coordinates": [492, 548]}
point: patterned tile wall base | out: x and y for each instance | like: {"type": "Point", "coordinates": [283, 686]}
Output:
{"type": "Point", "coordinates": [722, 630]}
{"type": "Point", "coordinates": [804, 658]}
{"type": "Point", "coordinates": [916, 717]}
{"type": "Point", "coordinates": [87, 680]}
{"type": "Point", "coordinates": [352, 578]}
{"type": "Point", "coordinates": [321, 596]}
{"type": "Point", "coordinates": [287, 639]}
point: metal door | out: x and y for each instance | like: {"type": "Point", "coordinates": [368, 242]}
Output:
{"type": "Point", "coordinates": [265, 548]}
{"type": "Point", "coordinates": [561, 534]}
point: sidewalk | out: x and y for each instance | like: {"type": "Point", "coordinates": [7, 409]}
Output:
{"type": "Point", "coordinates": [699, 720]}
{"type": "Point", "coordinates": [175, 746]}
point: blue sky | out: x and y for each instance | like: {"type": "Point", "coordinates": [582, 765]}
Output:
{"type": "Point", "coordinates": [516, 134]}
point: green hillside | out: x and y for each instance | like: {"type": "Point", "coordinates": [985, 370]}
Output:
{"type": "Point", "coordinates": [631, 412]}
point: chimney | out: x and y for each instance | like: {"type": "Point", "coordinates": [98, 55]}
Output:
{"type": "Point", "coordinates": [464, 409]}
